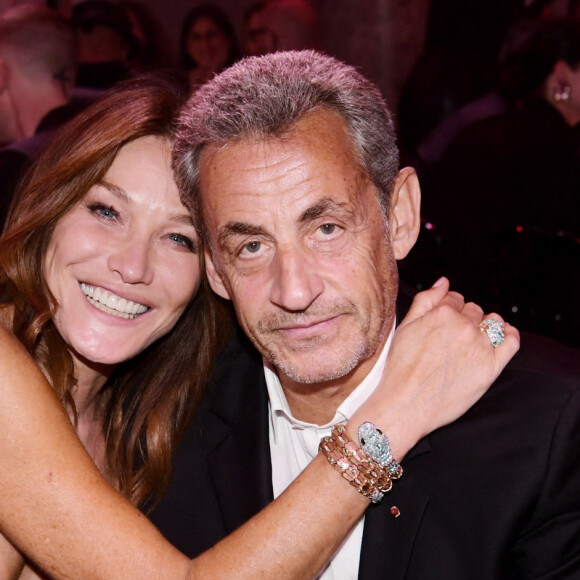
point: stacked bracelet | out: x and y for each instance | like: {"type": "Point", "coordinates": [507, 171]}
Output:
{"type": "Point", "coordinates": [360, 469]}
{"type": "Point", "coordinates": [376, 445]}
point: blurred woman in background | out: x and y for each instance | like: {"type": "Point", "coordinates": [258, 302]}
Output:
{"type": "Point", "coordinates": [207, 44]}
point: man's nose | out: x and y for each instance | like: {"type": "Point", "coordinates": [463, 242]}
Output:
{"type": "Point", "coordinates": [296, 280]}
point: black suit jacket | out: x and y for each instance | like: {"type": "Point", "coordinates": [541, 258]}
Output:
{"type": "Point", "coordinates": [494, 495]}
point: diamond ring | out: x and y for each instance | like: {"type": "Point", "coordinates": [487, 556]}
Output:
{"type": "Point", "coordinates": [494, 329]}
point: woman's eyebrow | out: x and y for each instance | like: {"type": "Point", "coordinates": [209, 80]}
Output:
{"type": "Point", "coordinates": [181, 218]}
{"type": "Point", "coordinates": [117, 191]}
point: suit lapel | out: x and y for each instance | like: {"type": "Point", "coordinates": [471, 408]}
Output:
{"type": "Point", "coordinates": [388, 539]}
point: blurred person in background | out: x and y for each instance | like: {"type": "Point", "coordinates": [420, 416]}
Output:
{"type": "Point", "coordinates": [37, 68]}
{"type": "Point", "coordinates": [37, 73]}
{"type": "Point", "coordinates": [207, 44]}
{"type": "Point", "coordinates": [153, 51]}
{"type": "Point", "coordinates": [505, 191]}
{"type": "Point", "coordinates": [281, 25]}
{"type": "Point", "coordinates": [106, 43]}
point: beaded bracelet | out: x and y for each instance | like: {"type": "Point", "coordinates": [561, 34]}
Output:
{"type": "Point", "coordinates": [363, 473]}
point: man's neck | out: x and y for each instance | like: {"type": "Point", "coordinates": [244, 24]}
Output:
{"type": "Point", "coordinates": [317, 402]}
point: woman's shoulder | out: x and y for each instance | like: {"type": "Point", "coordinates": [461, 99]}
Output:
{"type": "Point", "coordinates": [6, 315]}
{"type": "Point", "coordinates": [15, 361]}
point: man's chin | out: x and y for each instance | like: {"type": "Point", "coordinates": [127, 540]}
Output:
{"type": "Point", "coordinates": [321, 368]}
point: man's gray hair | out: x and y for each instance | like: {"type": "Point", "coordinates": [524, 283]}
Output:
{"type": "Point", "coordinates": [264, 97]}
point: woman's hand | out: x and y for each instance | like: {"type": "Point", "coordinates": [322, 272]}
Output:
{"type": "Point", "coordinates": [438, 366]}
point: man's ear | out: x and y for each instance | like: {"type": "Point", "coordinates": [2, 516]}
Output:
{"type": "Point", "coordinates": [214, 277]}
{"type": "Point", "coordinates": [404, 212]}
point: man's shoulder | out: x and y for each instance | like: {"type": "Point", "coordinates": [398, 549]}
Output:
{"type": "Point", "coordinates": [541, 379]}
{"type": "Point", "coordinates": [505, 475]}
{"type": "Point", "coordinates": [238, 355]}
{"type": "Point", "coordinates": [545, 356]}
{"type": "Point", "coordinates": [544, 370]}
{"type": "Point", "coordinates": [238, 375]}
{"type": "Point", "coordinates": [539, 387]}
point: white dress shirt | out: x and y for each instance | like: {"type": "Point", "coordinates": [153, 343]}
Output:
{"type": "Point", "coordinates": [294, 443]}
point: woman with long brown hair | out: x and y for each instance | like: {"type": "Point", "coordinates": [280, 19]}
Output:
{"type": "Point", "coordinates": [141, 415]}
{"type": "Point", "coordinates": [102, 287]}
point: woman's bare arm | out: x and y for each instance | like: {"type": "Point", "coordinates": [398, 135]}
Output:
{"type": "Point", "coordinates": [439, 365]}
{"type": "Point", "coordinates": [11, 560]}
{"type": "Point", "coordinates": [57, 509]}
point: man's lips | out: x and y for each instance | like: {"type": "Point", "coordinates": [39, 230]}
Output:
{"type": "Point", "coordinates": [309, 328]}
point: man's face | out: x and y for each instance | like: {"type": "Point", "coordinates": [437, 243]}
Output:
{"type": "Point", "coordinates": [300, 245]}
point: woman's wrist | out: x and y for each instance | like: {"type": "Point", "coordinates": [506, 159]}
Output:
{"type": "Point", "coordinates": [402, 433]}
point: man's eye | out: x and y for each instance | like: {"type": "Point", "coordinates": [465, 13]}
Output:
{"type": "Point", "coordinates": [253, 247]}
{"type": "Point", "coordinates": [328, 229]}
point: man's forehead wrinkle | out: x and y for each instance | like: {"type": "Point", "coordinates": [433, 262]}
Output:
{"type": "Point", "coordinates": [265, 155]}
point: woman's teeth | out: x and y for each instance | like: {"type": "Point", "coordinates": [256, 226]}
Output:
{"type": "Point", "coordinates": [111, 303]}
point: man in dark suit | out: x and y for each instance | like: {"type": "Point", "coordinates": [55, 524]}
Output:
{"type": "Point", "coordinates": [294, 168]}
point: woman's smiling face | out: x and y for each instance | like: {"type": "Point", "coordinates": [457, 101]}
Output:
{"type": "Point", "coordinates": [123, 264]}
